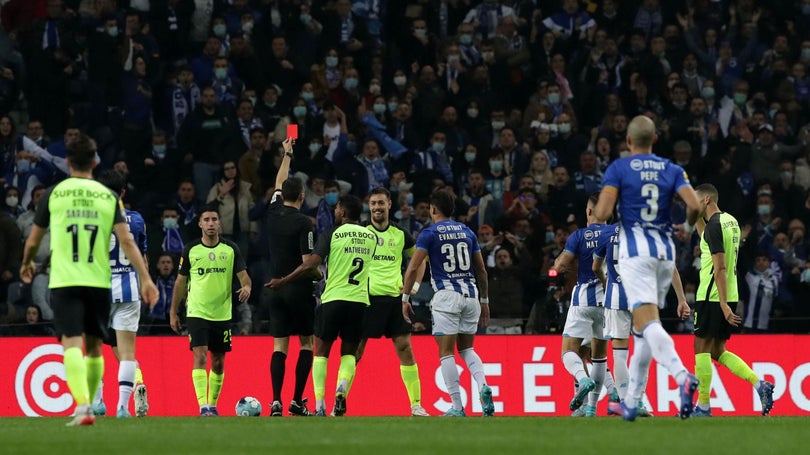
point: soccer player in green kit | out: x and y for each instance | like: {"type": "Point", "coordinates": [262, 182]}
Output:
{"type": "Point", "coordinates": [82, 214]}
{"type": "Point", "coordinates": [349, 250]}
{"type": "Point", "coordinates": [205, 278]}
{"type": "Point", "coordinates": [384, 315]}
{"type": "Point", "coordinates": [717, 299]}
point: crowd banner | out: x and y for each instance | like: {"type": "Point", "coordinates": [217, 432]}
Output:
{"type": "Point", "coordinates": [525, 373]}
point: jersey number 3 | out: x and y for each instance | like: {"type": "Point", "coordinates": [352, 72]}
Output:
{"type": "Point", "coordinates": [650, 192]}
{"type": "Point", "coordinates": [73, 230]}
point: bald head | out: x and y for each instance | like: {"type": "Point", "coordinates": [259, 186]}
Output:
{"type": "Point", "coordinates": [641, 134]}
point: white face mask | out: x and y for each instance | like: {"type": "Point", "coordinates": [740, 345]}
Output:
{"type": "Point", "coordinates": [12, 201]}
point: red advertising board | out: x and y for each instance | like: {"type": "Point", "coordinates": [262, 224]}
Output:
{"type": "Point", "coordinates": [525, 373]}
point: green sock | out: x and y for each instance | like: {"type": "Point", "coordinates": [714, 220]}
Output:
{"type": "Point", "coordinates": [214, 386]}
{"type": "Point", "coordinates": [76, 372]}
{"type": "Point", "coordinates": [95, 371]}
{"type": "Point", "coordinates": [200, 379]}
{"type": "Point", "coordinates": [738, 367]}
{"type": "Point", "coordinates": [703, 371]}
{"type": "Point", "coordinates": [319, 377]}
{"type": "Point", "coordinates": [348, 365]}
{"type": "Point", "coordinates": [410, 377]}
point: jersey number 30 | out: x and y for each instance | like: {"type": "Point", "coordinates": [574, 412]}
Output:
{"type": "Point", "coordinates": [650, 192]}
{"type": "Point", "coordinates": [458, 258]}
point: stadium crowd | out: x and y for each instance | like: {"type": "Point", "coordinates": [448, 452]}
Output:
{"type": "Point", "coordinates": [516, 107]}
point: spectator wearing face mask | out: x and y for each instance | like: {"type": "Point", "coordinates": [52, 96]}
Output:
{"type": "Point", "coordinates": [763, 289]}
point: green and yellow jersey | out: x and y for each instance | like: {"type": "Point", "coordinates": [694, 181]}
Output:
{"type": "Point", "coordinates": [721, 235]}
{"type": "Point", "coordinates": [81, 214]}
{"type": "Point", "coordinates": [349, 251]}
{"type": "Point", "coordinates": [393, 244]}
{"type": "Point", "coordinates": [210, 271]}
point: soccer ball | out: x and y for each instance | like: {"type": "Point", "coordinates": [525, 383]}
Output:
{"type": "Point", "coordinates": [248, 407]}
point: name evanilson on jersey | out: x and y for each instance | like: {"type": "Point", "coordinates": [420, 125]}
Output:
{"type": "Point", "coordinates": [453, 236]}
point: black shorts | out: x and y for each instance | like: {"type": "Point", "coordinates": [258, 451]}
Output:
{"type": "Point", "coordinates": [214, 334]}
{"type": "Point", "coordinates": [710, 322]}
{"type": "Point", "coordinates": [292, 310]}
{"type": "Point", "coordinates": [340, 318]}
{"type": "Point", "coordinates": [384, 317]}
{"type": "Point", "coordinates": [81, 310]}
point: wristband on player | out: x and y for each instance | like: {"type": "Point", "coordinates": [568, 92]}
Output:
{"type": "Point", "coordinates": [484, 300]}
{"type": "Point", "coordinates": [415, 288]}
{"type": "Point", "coordinates": [406, 298]}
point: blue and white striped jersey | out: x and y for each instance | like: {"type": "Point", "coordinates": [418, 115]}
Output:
{"type": "Point", "coordinates": [646, 185]}
{"type": "Point", "coordinates": [125, 285]}
{"type": "Point", "coordinates": [582, 244]}
{"type": "Point", "coordinates": [450, 247]}
{"type": "Point", "coordinates": [615, 297]}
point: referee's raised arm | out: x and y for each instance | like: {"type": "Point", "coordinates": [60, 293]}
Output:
{"type": "Point", "coordinates": [284, 168]}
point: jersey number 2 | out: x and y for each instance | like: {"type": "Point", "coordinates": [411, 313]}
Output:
{"type": "Point", "coordinates": [650, 192]}
{"type": "Point", "coordinates": [73, 230]}
{"type": "Point", "coordinates": [357, 263]}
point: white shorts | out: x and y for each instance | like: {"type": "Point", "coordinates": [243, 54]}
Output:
{"type": "Point", "coordinates": [454, 314]}
{"type": "Point", "coordinates": [618, 323]}
{"type": "Point", "coordinates": [585, 322]}
{"type": "Point", "coordinates": [651, 278]}
{"type": "Point", "coordinates": [125, 316]}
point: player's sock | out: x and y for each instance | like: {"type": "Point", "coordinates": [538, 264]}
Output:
{"type": "Point", "coordinates": [346, 372]}
{"type": "Point", "coordinates": [95, 371]}
{"type": "Point", "coordinates": [450, 375]}
{"type": "Point", "coordinates": [620, 373]}
{"type": "Point", "coordinates": [126, 381]}
{"type": "Point", "coordinates": [598, 370]}
{"type": "Point", "coordinates": [319, 381]}
{"type": "Point", "coordinates": [703, 371]}
{"type": "Point", "coordinates": [76, 372]}
{"type": "Point", "coordinates": [410, 377]}
{"type": "Point", "coordinates": [608, 383]}
{"type": "Point", "coordinates": [99, 398]}
{"type": "Point", "coordinates": [738, 367]}
{"type": "Point", "coordinates": [573, 363]}
{"type": "Point", "coordinates": [639, 365]}
{"type": "Point", "coordinates": [475, 366]}
{"type": "Point", "coordinates": [214, 387]}
{"type": "Point", "coordinates": [663, 350]}
{"type": "Point", "coordinates": [138, 373]}
{"type": "Point", "coordinates": [302, 369]}
{"type": "Point", "coordinates": [200, 379]}
{"type": "Point", "coordinates": [277, 369]}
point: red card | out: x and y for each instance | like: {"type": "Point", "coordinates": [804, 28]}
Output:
{"type": "Point", "coordinates": [292, 131]}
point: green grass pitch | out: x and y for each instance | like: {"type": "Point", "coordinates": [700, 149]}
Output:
{"type": "Point", "coordinates": [394, 435]}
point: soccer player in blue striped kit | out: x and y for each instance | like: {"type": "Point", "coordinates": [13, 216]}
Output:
{"type": "Point", "coordinates": [125, 311]}
{"type": "Point", "coordinates": [644, 185]}
{"type": "Point", "coordinates": [585, 319]}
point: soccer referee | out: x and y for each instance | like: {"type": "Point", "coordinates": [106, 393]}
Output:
{"type": "Point", "coordinates": [717, 298]}
{"type": "Point", "coordinates": [292, 308]}
{"type": "Point", "coordinates": [384, 315]}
